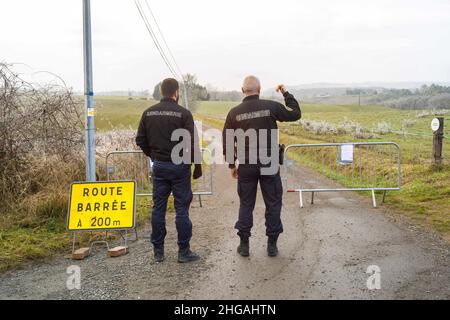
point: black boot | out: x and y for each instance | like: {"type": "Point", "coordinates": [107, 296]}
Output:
{"type": "Point", "coordinates": [272, 249]}
{"type": "Point", "coordinates": [159, 254]}
{"type": "Point", "coordinates": [186, 255]}
{"type": "Point", "coordinates": [244, 247]}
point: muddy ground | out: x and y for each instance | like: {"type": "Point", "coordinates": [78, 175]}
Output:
{"type": "Point", "coordinates": [324, 253]}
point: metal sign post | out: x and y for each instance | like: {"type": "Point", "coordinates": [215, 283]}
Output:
{"type": "Point", "coordinates": [89, 119]}
{"type": "Point", "coordinates": [88, 92]}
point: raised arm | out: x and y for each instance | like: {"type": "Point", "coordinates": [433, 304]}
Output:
{"type": "Point", "coordinates": [284, 114]}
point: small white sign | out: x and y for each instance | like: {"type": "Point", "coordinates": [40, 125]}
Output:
{"type": "Point", "coordinates": [435, 124]}
{"type": "Point", "coordinates": [346, 155]}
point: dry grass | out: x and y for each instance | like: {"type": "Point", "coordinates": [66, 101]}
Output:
{"type": "Point", "coordinates": [41, 153]}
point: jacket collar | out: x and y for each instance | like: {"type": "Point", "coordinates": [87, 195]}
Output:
{"type": "Point", "coordinates": [253, 97]}
{"type": "Point", "coordinates": [168, 100]}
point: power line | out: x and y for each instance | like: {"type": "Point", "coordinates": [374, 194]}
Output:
{"type": "Point", "coordinates": [160, 48]}
{"type": "Point", "coordinates": [163, 38]}
{"type": "Point", "coordinates": [155, 39]}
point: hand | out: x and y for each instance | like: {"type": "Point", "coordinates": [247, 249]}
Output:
{"type": "Point", "coordinates": [281, 88]}
{"type": "Point", "coordinates": [234, 173]}
{"type": "Point", "coordinates": [197, 171]}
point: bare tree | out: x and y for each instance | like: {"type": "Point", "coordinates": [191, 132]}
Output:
{"type": "Point", "coordinates": [196, 92]}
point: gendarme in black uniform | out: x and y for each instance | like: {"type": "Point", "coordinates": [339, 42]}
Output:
{"type": "Point", "coordinates": [257, 114]}
{"type": "Point", "coordinates": [157, 125]}
{"type": "Point", "coordinates": [154, 138]}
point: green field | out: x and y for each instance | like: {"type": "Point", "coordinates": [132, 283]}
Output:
{"type": "Point", "coordinates": [367, 116]}
{"type": "Point", "coordinates": [425, 194]}
{"type": "Point", "coordinates": [122, 113]}
{"type": "Point", "coordinates": [119, 112]}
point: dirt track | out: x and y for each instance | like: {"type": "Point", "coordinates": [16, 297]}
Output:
{"type": "Point", "coordinates": [324, 253]}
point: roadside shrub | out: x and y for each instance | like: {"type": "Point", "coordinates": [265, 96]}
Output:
{"type": "Point", "coordinates": [41, 139]}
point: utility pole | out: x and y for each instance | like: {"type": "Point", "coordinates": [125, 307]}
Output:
{"type": "Point", "coordinates": [186, 102]}
{"type": "Point", "coordinates": [88, 92]}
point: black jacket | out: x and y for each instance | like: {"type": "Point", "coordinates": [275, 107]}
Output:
{"type": "Point", "coordinates": [255, 113]}
{"type": "Point", "coordinates": [157, 125]}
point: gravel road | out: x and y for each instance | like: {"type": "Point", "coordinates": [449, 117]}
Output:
{"type": "Point", "coordinates": [324, 254]}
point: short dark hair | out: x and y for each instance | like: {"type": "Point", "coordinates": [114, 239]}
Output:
{"type": "Point", "coordinates": [168, 87]}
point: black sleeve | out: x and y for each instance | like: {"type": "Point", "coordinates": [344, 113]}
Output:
{"type": "Point", "coordinates": [141, 137]}
{"type": "Point", "coordinates": [195, 147]}
{"type": "Point", "coordinates": [283, 114]}
{"type": "Point", "coordinates": [228, 125]}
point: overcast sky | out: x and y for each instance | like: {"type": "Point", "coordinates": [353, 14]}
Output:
{"type": "Point", "coordinates": [287, 41]}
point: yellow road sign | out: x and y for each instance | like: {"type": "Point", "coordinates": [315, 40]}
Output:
{"type": "Point", "coordinates": [109, 205]}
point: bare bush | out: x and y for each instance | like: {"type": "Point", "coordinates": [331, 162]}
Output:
{"type": "Point", "coordinates": [383, 128]}
{"type": "Point", "coordinates": [115, 140]}
{"type": "Point", "coordinates": [408, 122]}
{"type": "Point", "coordinates": [318, 127]}
{"type": "Point", "coordinates": [40, 128]}
{"type": "Point", "coordinates": [349, 127]}
{"type": "Point", "coordinates": [346, 127]}
{"type": "Point", "coordinates": [355, 129]}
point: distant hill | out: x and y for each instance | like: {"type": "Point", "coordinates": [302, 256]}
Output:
{"type": "Point", "coordinates": [372, 84]}
{"type": "Point", "coordinates": [324, 89]}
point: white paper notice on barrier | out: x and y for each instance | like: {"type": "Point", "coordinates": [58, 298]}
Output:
{"type": "Point", "coordinates": [346, 155]}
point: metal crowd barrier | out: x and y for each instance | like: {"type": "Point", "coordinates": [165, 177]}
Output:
{"type": "Point", "coordinates": [359, 166]}
{"type": "Point", "coordinates": [135, 165]}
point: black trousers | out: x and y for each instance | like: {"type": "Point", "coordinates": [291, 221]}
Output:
{"type": "Point", "coordinates": [167, 178]}
{"type": "Point", "coordinates": [272, 192]}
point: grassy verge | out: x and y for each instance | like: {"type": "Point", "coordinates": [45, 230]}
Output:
{"type": "Point", "coordinates": [19, 245]}
{"type": "Point", "coordinates": [26, 241]}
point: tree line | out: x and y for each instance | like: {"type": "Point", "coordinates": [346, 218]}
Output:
{"type": "Point", "coordinates": [426, 97]}
{"type": "Point", "coordinates": [198, 92]}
